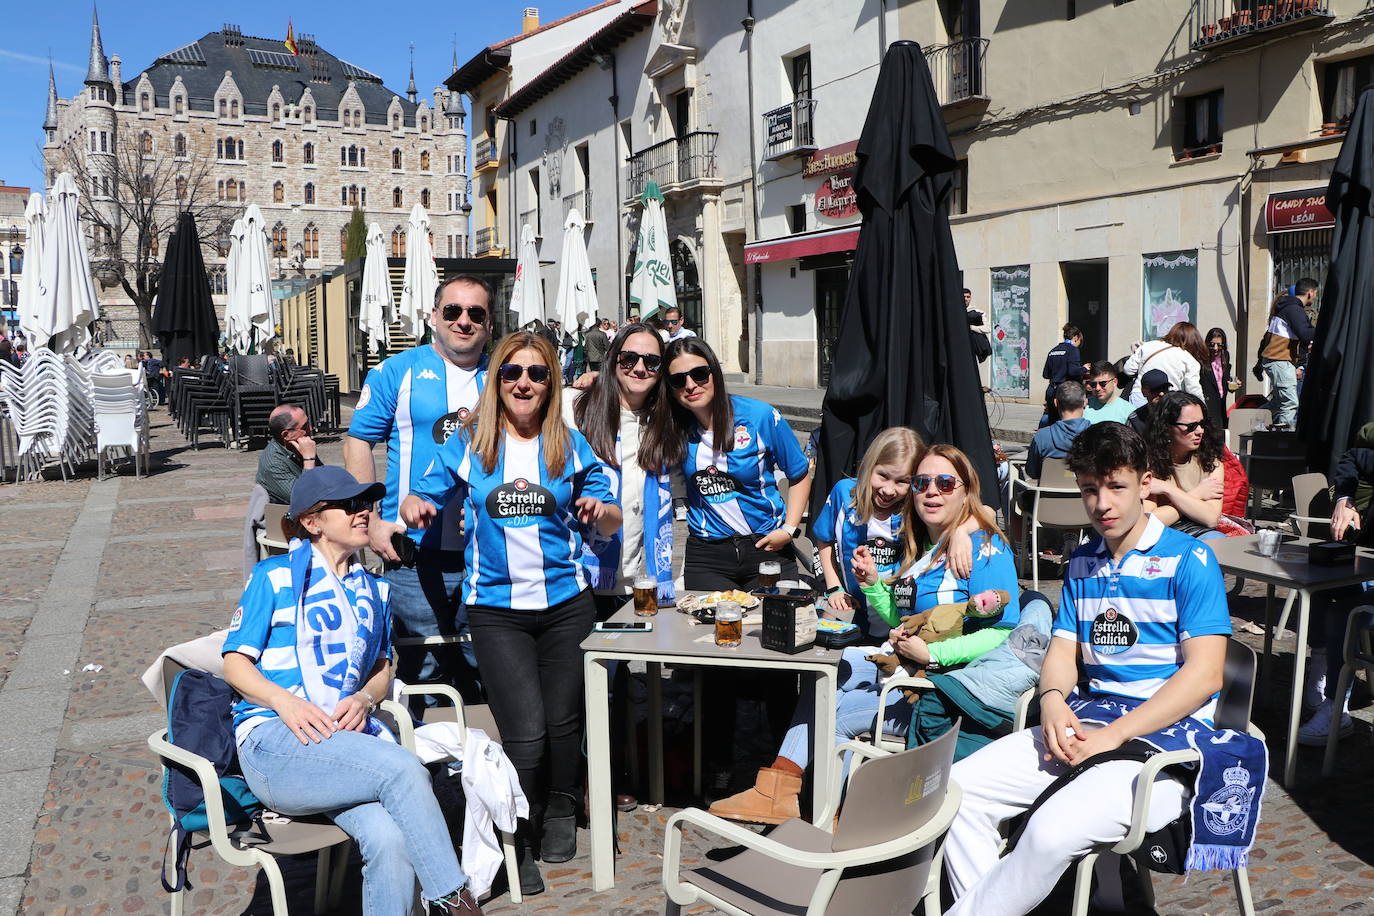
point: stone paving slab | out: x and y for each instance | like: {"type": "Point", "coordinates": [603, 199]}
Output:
{"type": "Point", "coordinates": [11, 635]}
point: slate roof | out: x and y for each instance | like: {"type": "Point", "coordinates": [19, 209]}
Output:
{"type": "Point", "coordinates": [258, 64]}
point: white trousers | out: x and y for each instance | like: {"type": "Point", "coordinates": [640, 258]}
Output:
{"type": "Point", "coordinates": [1003, 780]}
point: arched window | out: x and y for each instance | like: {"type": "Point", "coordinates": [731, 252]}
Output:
{"type": "Point", "coordinates": [231, 190]}
{"type": "Point", "coordinates": [309, 193]}
{"type": "Point", "coordinates": [233, 108]}
{"type": "Point", "coordinates": [240, 150]}
{"type": "Point", "coordinates": [278, 192]}
{"type": "Point", "coordinates": [343, 243]}
{"type": "Point", "coordinates": [396, 159]}
{"type": "Point", "coordinates": [397, 199]}
{"type": "Point", "coordinates": [352, 155]}
{"type": "Point", "coordinates": [308, 154]}
{"type": "Point", "coordinates": [343, 155]}
{"type": "Point", "coordinates": [219, 187]}
{"type": "Point", "coordinates": [179, 144]}
{"type": "Point", "coordinates": [398, 242]}
{"type": "Point", "coordinates": [309, 114]}
{"type": "Point", "coordinates": [218, 285]}
{"type": "Point", "coordinates": [278, 153]}
{"type": "Point", "coordinates": [223, 108]}
{"type": "Point", "coordinates": [179, 105]}
{"type": "Point", "coordinates": [145, 103]}
{"type": "Point", "coordinates": [424, 125]}
{"type": "Point", "coordinates": [145, 143]}
{"type": "Point", "coordinates": [424, 160]}
{"type": "Point", "coordinates": [362, 157]}
{"type": "Point", "coordinates": [181, 187]}
{"type": "Point", "coordinates": [686, 281]}
{"type": "Point", "coordinates": [276, 112]}
{"type": "Point", "coordinates": [424, 197]}
{"type": "Point", "coordinates": [343, 195]}
{"type": "Point", "coordinates": [219, 148]}
{"type": "Point", "coordinates": [278, 240]}
{"type": "Point", "coordinates": [396, 122]}
{"type": "Point", "coordinates": [353, 194]}
{"type": "Point", "coordinates": [312, 241]}
{"type": "Point", "coordinates": [92, 141]}
{"type": "Point", "coordinates": [145, 185]}
{"type": "Point", "coordinates": [364, 198]}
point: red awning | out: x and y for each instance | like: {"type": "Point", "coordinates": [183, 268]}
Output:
{"type": "Point", "coordinates": [845, 238]}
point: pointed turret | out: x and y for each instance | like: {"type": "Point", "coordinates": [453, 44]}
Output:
{"type": "Point", "coordinates": [50, 119]}
{"type": "Point", "coordinates": [98, 70]}
{"type": "Point", "coordinates": [411, 92]}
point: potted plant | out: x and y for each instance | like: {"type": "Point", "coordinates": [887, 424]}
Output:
{"type": "Point", "coordinates": [1185, 153]}
{"type": "Point", "coordinates": [1224, 24]}
{"type": "Point", "coordinates": [1266, 13]}
{"type": "Point", "coordinates": [1242, 19]}
{"type": "Point", "coordinates": [1209, 31]}
{"type": "Point", "coordinates": [1214, 149]}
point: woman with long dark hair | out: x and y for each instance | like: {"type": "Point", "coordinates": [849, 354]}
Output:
{"type": "Point", "coordinates": [1188, 476]}
{"type": "Point", "coordinates": [728, 448]}
{"type": "Point", "coordinates": [622, 414]}
{"type": "Point", "coordinates": [1219, 364]}
{"type": "Point", "coordinates": [530, 487]}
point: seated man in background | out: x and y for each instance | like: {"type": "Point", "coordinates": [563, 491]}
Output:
{"type": "Point", "coordinates": [290, 452]}
{"type": "Point", "coordinates": [1104, 394]}
{"type": "Point", "coordinates": [1154, 384]}
{"type": "Point", "coordinates": [1054, 440]}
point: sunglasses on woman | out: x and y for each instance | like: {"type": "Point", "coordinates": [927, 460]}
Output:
{"type": "Point", "coordinates": [1187, 428]}
{"type": "Point", "coordinates": [352, 506]}
{"type": "Point", "coordinates": [627, 359]}
{"type": "Point", "coordinates": [511, 372]}
{"type": "Point", "coordinates": [699, 374]}
{"type": "Point", "coordinates": [945, 484]}
{"type": "Point", "coordinates": [476, 314]}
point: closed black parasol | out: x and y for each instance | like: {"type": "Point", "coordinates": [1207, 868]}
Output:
{"type": "Point", "coordinates": [1338, 388]}
{"type": "Point", "coordinates": [903, 356]}
{"type": "Point", "coordinates": [183, 316]}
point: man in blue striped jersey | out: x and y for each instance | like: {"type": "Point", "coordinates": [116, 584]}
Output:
{"type": "Point", "coordinates": [1144, 606]}
{"type": "Point", "coordinates": [414, 401]}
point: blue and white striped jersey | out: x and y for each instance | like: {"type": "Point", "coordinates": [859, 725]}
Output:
{"type": "Point", "coordinates": [838, 524]}
{"type": "Point", "coordinates": [994, 567]}
{"type": "Point", "coordinates": [1131, 618]}
{"type": "Point", "coordinates": [523, 545]}
{"type": "Point", "coordinates": [415, 400]}
{"type": "Point", "coordinates": [735, 493]}
{"type": "Point", "coordinates": [265, 627]}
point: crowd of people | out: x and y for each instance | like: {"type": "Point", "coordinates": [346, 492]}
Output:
{"type": "Point", "coordinates": [518, 510]}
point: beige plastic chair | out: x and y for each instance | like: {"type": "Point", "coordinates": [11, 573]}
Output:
{"type": "Point", "coordinates": [289, 837]}
{"type": "Point", "coordinates": [1312, 505]}
{"type": "Point", "coordinates": [1055, 504]}
{"type": "Point", "coordinates": [273, 540]}
{"type": "Point", "coordinates": [1358, 653]}
{"type": "Point", "coordinates": [885, 852]}
{"type": "Point", "coordinates": [1233, 711]}
{"type": "Point", "coordinates": [1243, 420]}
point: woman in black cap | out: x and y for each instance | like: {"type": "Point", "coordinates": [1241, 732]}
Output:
{"type": "Point", "coordinates": [309, 654]}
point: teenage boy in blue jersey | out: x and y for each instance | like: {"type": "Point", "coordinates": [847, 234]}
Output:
{"type": "Point", "coordinates": [413, 401]}
{"type": "Point", "coordinates": [1145, 608]}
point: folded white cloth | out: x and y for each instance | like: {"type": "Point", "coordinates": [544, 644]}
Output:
{"type": "Point", "coordinates": [201, 654]}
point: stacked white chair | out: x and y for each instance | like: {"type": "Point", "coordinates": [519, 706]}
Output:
{"type": "Point", "coordinates": [121, 420]}
{"type": "Point", "coordinates": [38, 399]}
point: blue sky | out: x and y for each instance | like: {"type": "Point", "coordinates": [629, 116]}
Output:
{"type": "Point", "coordinates": [141, 31]}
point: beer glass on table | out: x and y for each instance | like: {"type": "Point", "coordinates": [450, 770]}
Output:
{"type": "Point", "coordinates": [646, 596]}
{"type": "Point", "coordinates": [770, 571]}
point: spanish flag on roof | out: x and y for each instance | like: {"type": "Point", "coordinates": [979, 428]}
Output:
{"type": "Point", "coordinates": [291, 40]}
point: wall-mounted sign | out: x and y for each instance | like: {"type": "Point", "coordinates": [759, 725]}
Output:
{"type": "Point", "coordinates": [1291, 211]}
{"type": "Point", "coordinates": [835, 197]}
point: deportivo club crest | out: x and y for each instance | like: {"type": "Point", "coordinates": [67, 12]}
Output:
{"type": "Point", "coordinates": [1227, 811]}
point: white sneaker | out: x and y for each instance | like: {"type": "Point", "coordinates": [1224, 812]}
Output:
{"type": "Point", "coordinates": [1314, 731]}
{"type": "Point", "coordinates": [1315, 692]}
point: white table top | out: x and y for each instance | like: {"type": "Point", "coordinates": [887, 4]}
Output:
{"type": "Point", "coordinates": [1240, 556]}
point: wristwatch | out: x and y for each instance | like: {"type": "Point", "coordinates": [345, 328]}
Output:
{"type": "Point", "coordinates": [794, 532]}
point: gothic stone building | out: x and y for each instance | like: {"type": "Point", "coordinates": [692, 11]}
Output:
{"type": "Point", "coordinates": [306, 137]}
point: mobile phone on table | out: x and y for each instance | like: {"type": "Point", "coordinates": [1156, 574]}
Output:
{"type": "Point", "coordinates": [624, 626]}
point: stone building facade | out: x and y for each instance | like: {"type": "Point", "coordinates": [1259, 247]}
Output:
{"type": "Point", "coordinates": [306, 137]}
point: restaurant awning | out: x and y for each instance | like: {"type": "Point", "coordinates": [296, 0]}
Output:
{"type": "Point", "coordinates": [844, 238]}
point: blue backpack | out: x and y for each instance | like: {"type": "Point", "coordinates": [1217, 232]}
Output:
{"type": "Point", "coordinates": [199, 721]}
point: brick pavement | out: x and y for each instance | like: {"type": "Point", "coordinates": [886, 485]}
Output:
{"type": "Point", "coordinates": [108, 574]}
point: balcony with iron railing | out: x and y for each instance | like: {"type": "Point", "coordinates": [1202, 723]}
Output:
{"type": "Point", "coordinates": [789, 130]}
{"type": "Point", "coordinates": [484, 154]}
{"type": "Point", "coordinates": [680, 164]}
{"type": "Point", "coordinates": [959, 72]}
{"type": "Point", "coordinates": [487, 242]}
{"type": "Point", "coordinates": [1226, 22]}
{"type": "Point", "coordinates": [581, 201]}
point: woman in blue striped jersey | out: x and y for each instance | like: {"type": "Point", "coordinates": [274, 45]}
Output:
{"type": "Point", "coordinates": [529, 485]}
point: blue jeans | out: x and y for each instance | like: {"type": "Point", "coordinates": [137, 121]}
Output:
{"type": "Point", "coordinates": [377, 792]}
{"type": "Point", "coordinates": [426, 600]}
{"type": "Point", "coordinates": [855, 710]}
{"type": "Point", "coordinates": [1283, 394]}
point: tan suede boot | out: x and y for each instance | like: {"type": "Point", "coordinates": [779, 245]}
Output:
{"type": "Point", "coordinates": [772, 800]}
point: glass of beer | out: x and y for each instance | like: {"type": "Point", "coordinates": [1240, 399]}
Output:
{"type": "Point", "coordinates": [729, 624]}
{"type": "Point", "coordinates": [646, 596]}
{"type": "Point", "coordinates": [770, 571]}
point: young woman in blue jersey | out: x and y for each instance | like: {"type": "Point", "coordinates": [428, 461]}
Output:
{"type": "Point", "coordinates": [308, 653]}
{"type": "Point", "coordinates": [946, 497]}
{"type": "Point", "coordinates": [622, 414]}
{"type": "Point", "coordinates": [528, 486]}
{"type": "Point", "coordinates": [729, 448]}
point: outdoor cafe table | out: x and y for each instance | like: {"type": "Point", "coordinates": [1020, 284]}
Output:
{"type": "Point", "coordinates": [677, 640]}
{"type": "Point", "coordinates": [1240, 557]}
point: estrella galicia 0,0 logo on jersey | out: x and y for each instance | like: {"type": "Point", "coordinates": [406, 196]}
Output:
{"type": "Point", "coordinates": [714, 485]}
{"type": "Point", "coordinates": [520, 503]}
{"type": "Point", "coordinates": [448, 424]}
{"type": "Point", "coordinates": [1112, 632]}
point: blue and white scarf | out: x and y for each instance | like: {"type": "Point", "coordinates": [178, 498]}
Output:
{"type": "Point", "coordinates": [601, 553]}
{"type": "Point", "coordinates": [1227, 790]}
{"type": "Point", "coordinates": [340, 630]}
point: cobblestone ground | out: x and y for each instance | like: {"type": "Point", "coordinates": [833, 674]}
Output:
{"type": "Point", "coordinates": [89, 838]}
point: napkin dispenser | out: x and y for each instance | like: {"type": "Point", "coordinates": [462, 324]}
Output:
{"type": "Point", "coordinates": [789, 620]}
{"type": "Point", "coordinates": [1331, 553]}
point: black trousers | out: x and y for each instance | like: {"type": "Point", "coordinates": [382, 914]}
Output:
{"type": "Point", "coordinates": [531, 663]}
{"type": "Point", "coordinates": [710, 566]}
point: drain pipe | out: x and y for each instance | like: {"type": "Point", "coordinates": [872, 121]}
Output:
{"type": "Point", "coordinates": [620, 305]}
{"type": "Point", "coordinates": [756, 331]}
